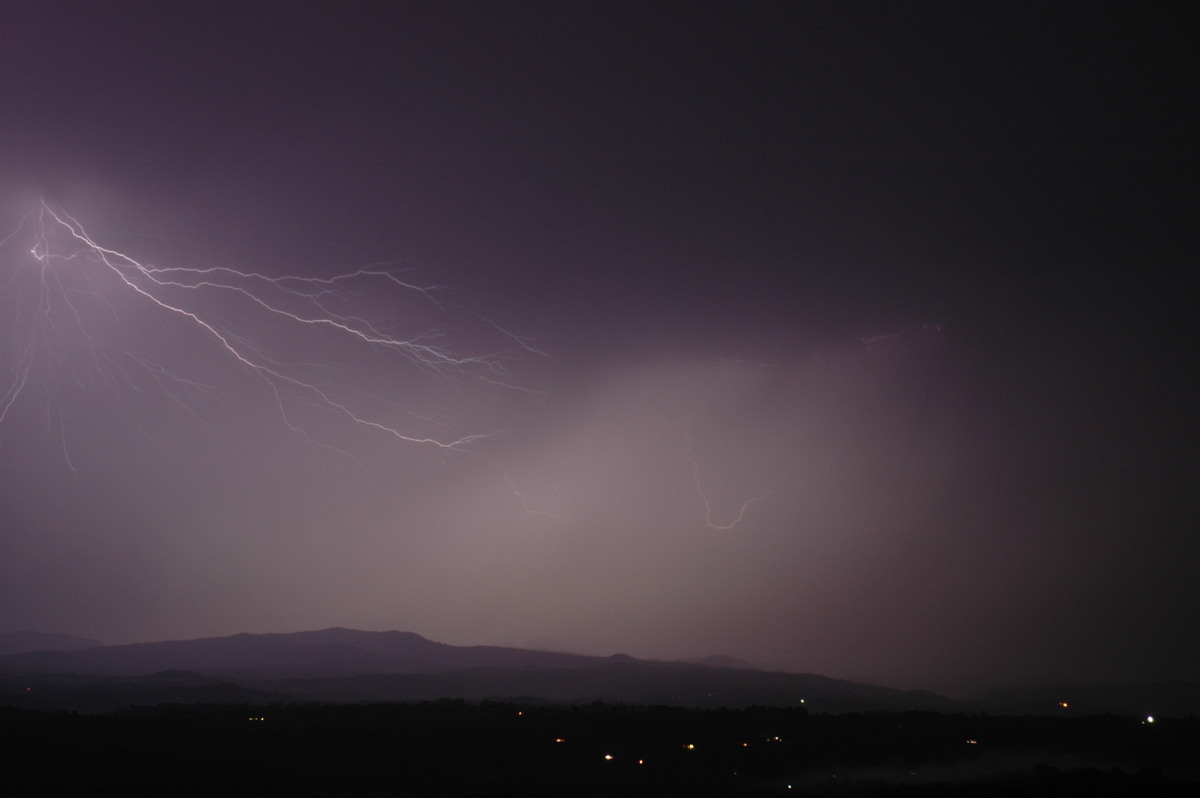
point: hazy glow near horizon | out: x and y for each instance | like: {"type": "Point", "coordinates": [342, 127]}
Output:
{"type": "Point", "coordinates": [668, 449]}
{"type": "Point", "coordinates": [696, 336]}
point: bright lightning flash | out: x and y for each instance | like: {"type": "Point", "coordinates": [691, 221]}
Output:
{"type": "Point", "coordinates": [61, 294]}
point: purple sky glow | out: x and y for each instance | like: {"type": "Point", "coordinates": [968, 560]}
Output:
{"type": "Point", "coordinates": [846, 338]}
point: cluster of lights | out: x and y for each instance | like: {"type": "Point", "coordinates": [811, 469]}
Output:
{"type": "Point", "coordinates": [608, 757]}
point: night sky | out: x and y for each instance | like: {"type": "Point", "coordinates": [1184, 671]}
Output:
{"type": "Point", "coordinates": [847, 338]}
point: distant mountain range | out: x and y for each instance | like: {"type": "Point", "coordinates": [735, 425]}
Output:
{"type": "Point", "coordinates": [20, 642]}
{"type": "Point", "coordinates": [324, 653]}
{"type": "Point", "coordinates": [346, 665]}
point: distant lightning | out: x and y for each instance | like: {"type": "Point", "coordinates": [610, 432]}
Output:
{"type": "Point", "coordinates": [530, 510]}
{"type": "Point", "coordinates": [869, 340]}
{"type": "Point", "coordinates": [55, 278]}
{"type": "Point", "coordinates": [698, 484]}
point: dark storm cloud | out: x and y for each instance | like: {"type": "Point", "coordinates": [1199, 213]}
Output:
{"type": "Point", "coordinates": [897, 276]}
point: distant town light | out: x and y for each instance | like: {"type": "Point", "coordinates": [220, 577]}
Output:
{"type": "Point", "coordinates": [1149, 718]}
{"type": "Point", "coordinates": [608, 757]}
{"type": "Point", "coordinates": [1063, 704]}
{"type": "Point", "coordinates": [690, 747]}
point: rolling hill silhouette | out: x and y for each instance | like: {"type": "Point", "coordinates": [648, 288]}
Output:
{"type": "Point", "coordinates": [346, 665]}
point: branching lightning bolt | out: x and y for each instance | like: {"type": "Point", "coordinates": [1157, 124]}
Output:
{"type": "Point", "coordinates": [54, 274]}
{"type": "Point", "coordinates": [699, 486]}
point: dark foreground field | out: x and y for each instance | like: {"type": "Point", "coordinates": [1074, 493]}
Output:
{"type": "Point", "coordinates": [451, 748]}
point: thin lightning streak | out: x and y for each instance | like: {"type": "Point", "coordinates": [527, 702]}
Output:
{"type": "Point", "coordinates": [697, 483]}
{"type": "Point", "coordinates": [423, 355]}
{"type": "Point", "coordinates": [523, 342]}
{"type": "Point", "coordinates": [867, 341]}
{"type": "Point", "coordinates": [525, 503]}
{"type": "Point", "coordinates": [14, 390]}
{"type": "Point", "coordinates": [62, 429]}
{"type": "Point", "coordinates": [58, 242]}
